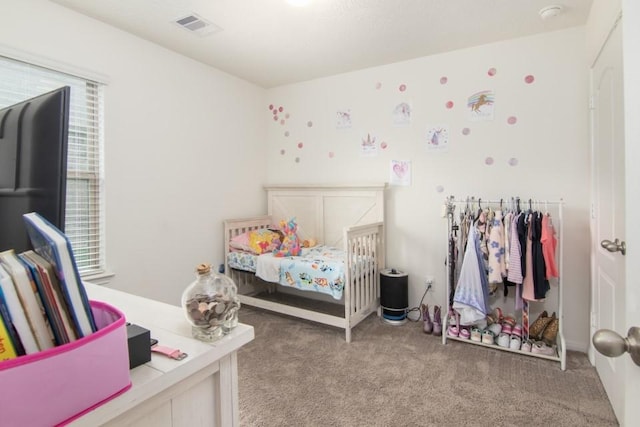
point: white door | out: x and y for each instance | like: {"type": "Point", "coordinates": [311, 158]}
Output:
{"type": "Point", "coordinates": [608, 288]}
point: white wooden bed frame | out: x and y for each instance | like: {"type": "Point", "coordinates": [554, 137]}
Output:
{"type": "Point", "coordinates": [351, 217]}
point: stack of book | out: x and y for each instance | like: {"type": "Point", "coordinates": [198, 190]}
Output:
{"type": "Point", "coordinates": [43, 302]}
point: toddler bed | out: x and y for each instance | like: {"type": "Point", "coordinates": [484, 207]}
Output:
{"type": "Point", "coordinates": [347, 225]}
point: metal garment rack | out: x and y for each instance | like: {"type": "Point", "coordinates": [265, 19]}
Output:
{"type": "Point", "coordinates": [451, 203]}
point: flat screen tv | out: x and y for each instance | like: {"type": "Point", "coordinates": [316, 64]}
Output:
{"type": "Point", "coordinates": [33, 164]}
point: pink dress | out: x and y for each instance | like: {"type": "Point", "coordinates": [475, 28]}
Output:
{"type": "Point", "coordinates": [549, 243]}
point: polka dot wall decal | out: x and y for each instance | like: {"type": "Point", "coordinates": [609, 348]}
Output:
{"type": "Point", "coordinates": [513, 161]}
{"type": "Point", "coordinates": [378, 86]}
{"type": "Point", "coordinates": [466, 131]}
{"type": "Point", "coordinates": [492, 72]}
{"type": "Point", "coordinates": [402, 87]}
{"type": "Point", "coordinates": [449, 104]}
{"type": "Point", "coordinates": [383, 145]}
{"type": "Point", "coordinates": [275, 111]}
{"type": "Point", "coordinates": [286, 116]}
{"type": "Point", "coordinates": [512, 120]}
{"type": "Point", "coordinates": [529, 79]}
{"type": "Point", "coordinates": [300, 145]}
{"type": "Point", "coordinates": [282, 152]}
{"type": "Point", "coordinates": [297, 159]}
{"type": "Point", "coordinates": [280, 109]}
{"type": "Point", "coordinates": [309, 123]}
{"type": "Point", "coordinates": [286, 133]}
{"type": "Point", "coordinates": [270, 106]}
{"type": "Point", "coordinates": [275, 118]}
{"type": "Point", "coordinates": [488, 161]}
{"type": "Point", "coordinates": [439, 188]}
{"type": "Point", "coordinates": [331, 154]}
{"type": "Point", "coordinates": [282, 122]}
{"type": "Point", "coordinates": [443, 80]}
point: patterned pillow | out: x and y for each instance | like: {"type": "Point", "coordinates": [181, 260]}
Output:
{"type": "Point", "coordinates": [256, 241]}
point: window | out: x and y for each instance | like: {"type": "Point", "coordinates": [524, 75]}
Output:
{"type": "Point", "coordinates": [84, 208]}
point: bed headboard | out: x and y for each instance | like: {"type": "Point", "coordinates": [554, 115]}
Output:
{"type": "Point", "coordinates": [323, 211]}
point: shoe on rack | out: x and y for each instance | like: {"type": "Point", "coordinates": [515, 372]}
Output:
{"type": "Point", "coordinates": [476, 334]}
{"type": "Point", "coordinates": [437, 321]}
{"type": "Point", "coordinates": [506, 328]}
{"type": "Point", "coordinates": [495, 328]}
{"type": "Point", "coordinates": [539, 347]}
{"type": "Point", "coordinates": [427, 326]}
{"type": "Point", "coordinates": [464, 333]}
{"type": "Point", "coordinates": [504, 339]}
{"type": "Point", "coordinates": [515, 342]}
{"type": "Point", "coordinates": [487, 337]}
{"type": "Point", "coordinates": [537, 327]}
{"type": "Point", "coordinates": [517, 331]}
{"type": "Point", "coordinates": [526, 346]}
{"type": "Point", "coordinates": [551, 331]}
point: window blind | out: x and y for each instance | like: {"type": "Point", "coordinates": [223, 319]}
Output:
{"type": "Point", "coordinates": [84, 223]}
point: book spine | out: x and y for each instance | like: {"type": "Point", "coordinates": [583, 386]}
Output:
{"type": "Point", "coordinates": [10, 328]}
{"type": "Point", "coordinates": [7, 349]}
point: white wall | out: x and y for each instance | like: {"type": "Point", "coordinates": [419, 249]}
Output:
{"type": "Point", "coordinates": [550, 141]}
{"type": "Point", "coordinates": [182, 143]}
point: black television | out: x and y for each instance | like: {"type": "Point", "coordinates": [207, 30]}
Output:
{"type": "Point", "coordinates": [33, 164]}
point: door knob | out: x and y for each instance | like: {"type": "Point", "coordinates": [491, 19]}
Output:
{"type": "Point", "coordinates": [611, 344]}
{"type": "Point", "coordinates": [614, 246]}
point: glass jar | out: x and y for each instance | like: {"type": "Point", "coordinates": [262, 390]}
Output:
{"type": "Point", "coordinates": [211, 304]}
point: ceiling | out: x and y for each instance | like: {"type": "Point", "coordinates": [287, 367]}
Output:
{"type": "Point", "coordinates": [271, 43]}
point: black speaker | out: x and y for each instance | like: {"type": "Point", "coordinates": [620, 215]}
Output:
{"type": "Point", "coordinates": [394, 296]}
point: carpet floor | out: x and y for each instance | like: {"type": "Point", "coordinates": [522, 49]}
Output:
{"type": "Point", "coordinates": [299, 373]}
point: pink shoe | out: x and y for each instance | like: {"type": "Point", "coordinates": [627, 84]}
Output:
{"type": "Point", "coordinates": [506, 328]}
{"type": "Point", "coordinates": [427, 327]}
{"type": "Point", "coordinates": [517, 331]}
{"type": "Point", "coordinates": [541, 348]}
{"type": "Point", "coordinates": [464, 333]}
{"type": "Point", "coordinates": [437, 321]}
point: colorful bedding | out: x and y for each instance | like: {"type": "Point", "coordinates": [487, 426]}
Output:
{"type": "Point", "coordinates": [317, 269]}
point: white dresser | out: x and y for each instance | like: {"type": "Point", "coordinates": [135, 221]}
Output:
{"type": "Point", "coordinates": [201, 390]}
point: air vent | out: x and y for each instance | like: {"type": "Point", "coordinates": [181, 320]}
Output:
{"type": "Point", "coordinates": [196, 24]}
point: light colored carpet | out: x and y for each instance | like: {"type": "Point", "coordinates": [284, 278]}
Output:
{"type": "Point", "coordinates": [298, 373]}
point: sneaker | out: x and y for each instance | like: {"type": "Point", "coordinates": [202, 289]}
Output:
{"type": "Point", "coordinates": [503, 340]}
{"type": "Point", "coordinates": [464, 333]}
{"type": "Point", "coordinates": [507, 328]}
{"type": "Point", "coordinates": [476, 334]}
{"type": "Point", "coordinates": [515, 342]}
{"type": "Point", "coordinates": [495, 328]}
{"type": "Point", "coordinates": [517, 331]}
{"type": "Point", "coordinates": [487, 337]}
{"type": "Point", "coordinates": [453, 331]}
{"type": "Point", "coordinates": [526, 346]}
{"type": "Point", "coordinates": [541, 348]}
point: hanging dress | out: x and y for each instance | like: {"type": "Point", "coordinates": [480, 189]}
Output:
{"type": "Point", "coordinates": [549, 244]}
{"type": "Point", "coordinates": [495, 244]}
{"type": "Point", "coordinates": [540, 282]}
{"type": "Point", "coordinates": [469, 299]}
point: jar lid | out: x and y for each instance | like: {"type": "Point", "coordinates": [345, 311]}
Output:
{"type": "Point", "coordinates": [203, 268]}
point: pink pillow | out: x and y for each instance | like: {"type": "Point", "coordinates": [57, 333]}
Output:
{"type": "Point", "coordinates": [256, 241]}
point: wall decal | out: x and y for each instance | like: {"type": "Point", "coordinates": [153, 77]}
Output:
{"type": "Point", "coordinates": [309, 123]}
{"type": "Point", "coordinates": [300, 145]}
{"type": "Point", "coordinates": [282, 152]}
{"type": "Point", "coordinates": [282, 122]}
{"type": "Point", "coordinates": [286, 133]}
{"type": "Point", "coordinates": [343, 119]}
{"type": "Point", "coordinates": [275, 118]}
{"type": "Point", "coordinates": [492, 72]}
{"type": "Point", "coordinates": [378, 86]}
{"type": "Point", "coordinates": [438, 137]}
{"type": "Point", "coordinates": [331, 154]}
{"type": "Point", "coordinates": [270, 106]}
{"type": "Point", "coordinates": [400, 173]}
{"type": "Point", "coordinates": [383, 145]}
{"type": "Point", "coordinates": [512, 120]}
{"type": "Point", "coordinates": [368, 146]}
{"type": "Point", "coordinates": [297, 159]}
{"type": "Point", "coordinates": [286, 116]}
{"type": "Point", "coordinates": [513, 161]}
{"type": "Point", "coordinates": [488, 161]}
{"type": "Point", "coordinates": [280, 109]}
{"type": "Point", "coordinates": [402, 114]}
{"type": "Point", "coordinates": [439, 188]}
{"type": "Point", "coordinates": [443, 80]}
{"type": "Point", "coordinates": [402, 87]}
{"type": "Point", "coordinates": [466, 131]}
{"type": "Point", "coordinates": [529, 79]}
{"type": "Point", "coordinates": [449, 104]}
{"type": "Point", "coordinates": [480, 105]}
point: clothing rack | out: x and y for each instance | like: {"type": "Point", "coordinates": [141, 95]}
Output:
{"type": "Point", "coordinates": [515, 203]}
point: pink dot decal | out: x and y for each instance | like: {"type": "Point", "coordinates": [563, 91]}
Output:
{"type": "Point", "coordinates": [492, 72]}
{"type": "Point", "coordinates": [513, 161]}
{"type": "Point", "coordinates": [282, 122]}
{"type": "Point", "coordinates": [443, 80]}
{"type": "Point", "coordinates": [331, 154]}
{"type": "Point", "coordinates": [529, 79]}
{"type": "Point", "coordinates": [383, 145]}
{"type": "Point", "coordinates": [286, 116]}
{"type": "Point", "coordinates": [488, 161]}
{"type": "Point", "coordinates": [512, 120]}
{"type": "Point", "coordinates": [300, 145]}
{"type": "Point", "coordinates": [286, 133]}
{"type": "Point", "coordinates": [297, 159]}
{"type": "Point", "coordinates": [439, 188]}
{"type": "Point", "coordinates": [402, 87]}
{"type": "Point", "coordinates": [378, 86]}
{"type": "Point", "coordinates": [270, 106]}
{"type": "Point", "coordinates": [275, 118]}
{"type": "Point", "coordinates": [280, 109]}
{"type": "Point", "coordinates": [282, 152]}
{"type": "Point", "coordinates": [275, 111]}
{"type": "Point", "coordinates": [466, 131]}
{"type": "Point", "coordinates": [449, 104]}
{"type": "Point", "coordinates": [309, 123]}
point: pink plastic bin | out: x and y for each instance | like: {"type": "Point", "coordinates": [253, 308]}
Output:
{"type": "Point", "coordinates": [55, 386]}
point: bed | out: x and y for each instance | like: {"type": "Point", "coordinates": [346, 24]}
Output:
{"type": "Point", "coordinates": [334, 282]}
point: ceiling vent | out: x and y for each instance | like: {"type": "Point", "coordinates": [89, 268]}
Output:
{"type": "Point", "coordinates": [196, 24]}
